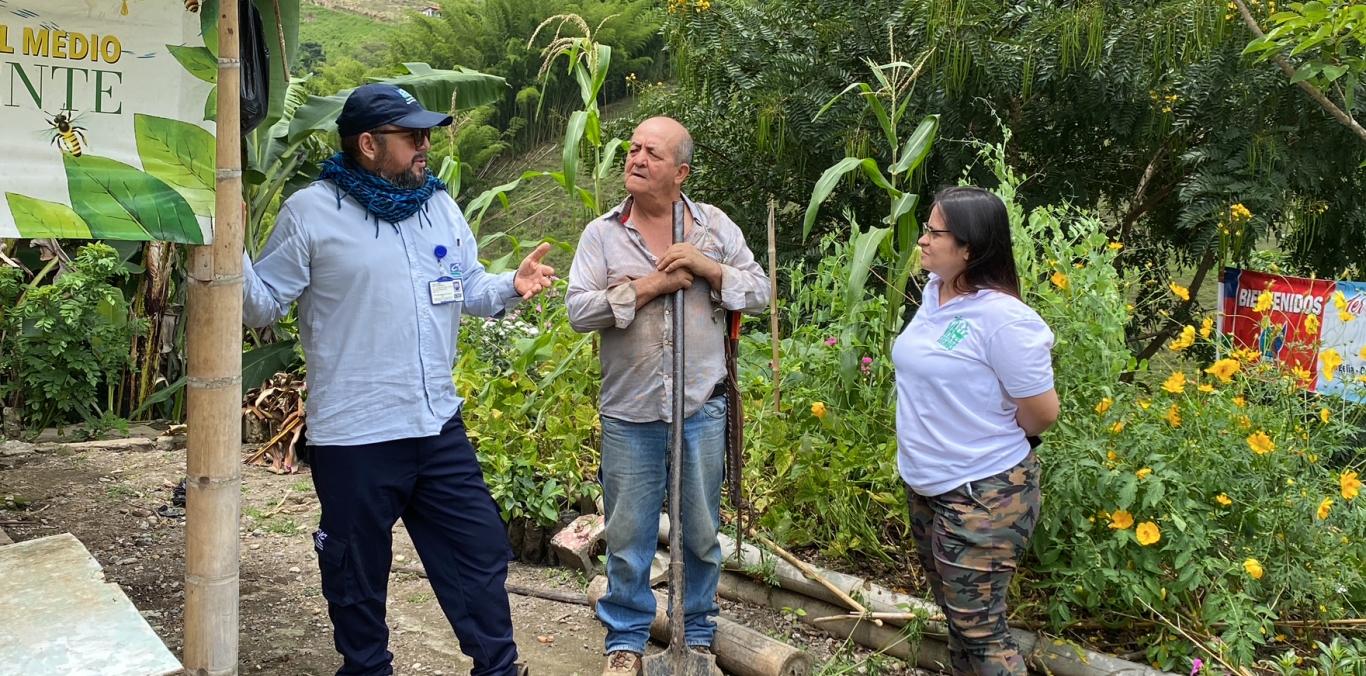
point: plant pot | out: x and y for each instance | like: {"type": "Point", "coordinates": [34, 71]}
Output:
{"type": "Point", "coordinates": [516, 528]}
{"type": "Point", "coordinates": [534, 543]}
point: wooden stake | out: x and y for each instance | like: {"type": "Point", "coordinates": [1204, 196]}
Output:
{"type": "Point", "coordinates": [812, 574]}
{"type": "Point", "coordinates": [773, 303]}
{"type": "Point", "coordinates": [900, 617]}
{"type": "Point", "coordinates": [214, 393]}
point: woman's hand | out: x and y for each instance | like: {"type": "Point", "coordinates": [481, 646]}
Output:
{"type": "Point", "coordinates": [1037, 413]}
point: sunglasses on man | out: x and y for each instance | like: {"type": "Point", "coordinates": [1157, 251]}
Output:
{"type": "Point", "coordinates": [417, 135]}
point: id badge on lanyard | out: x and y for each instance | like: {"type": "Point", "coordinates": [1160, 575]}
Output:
{"type": "Point", "coordinates": [446, 288]}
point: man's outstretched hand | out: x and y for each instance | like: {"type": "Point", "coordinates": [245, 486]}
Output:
{"type": "Point", "coordinates": [532, 276]}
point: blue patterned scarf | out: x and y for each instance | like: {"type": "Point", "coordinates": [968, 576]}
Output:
{"type": "Point", "coordinates": [381, 199]}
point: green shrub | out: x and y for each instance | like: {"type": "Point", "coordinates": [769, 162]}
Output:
{"type": "Point", "coordinates": [531, 385]}
{"type": "Point", "coordinates": [64, 344]}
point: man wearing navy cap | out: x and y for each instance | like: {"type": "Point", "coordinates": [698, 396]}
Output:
{"type": "Point", "coordinates": [383, 264]}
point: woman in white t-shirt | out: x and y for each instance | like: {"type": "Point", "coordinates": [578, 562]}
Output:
{"type": "Point", "coordinates": [974, 384]}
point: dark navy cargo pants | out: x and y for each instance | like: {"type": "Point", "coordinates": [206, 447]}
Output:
{"type": "Point", "coordinates": [436, 486]}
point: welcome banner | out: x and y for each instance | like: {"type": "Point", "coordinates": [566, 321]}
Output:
{"type": "Point", "coordinates": [1281, 329]}
{"type": "Point", "coordinates": [106, 108]}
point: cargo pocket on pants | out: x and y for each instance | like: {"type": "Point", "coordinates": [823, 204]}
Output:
{"type": "Point", "coordinates": [336, 569]}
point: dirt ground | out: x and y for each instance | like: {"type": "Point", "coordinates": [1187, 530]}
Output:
{"type": "Point", "coordinates": [108, 497]}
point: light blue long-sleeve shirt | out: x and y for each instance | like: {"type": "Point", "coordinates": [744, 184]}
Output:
{"type": "Point", "coordinates": [379, 351]}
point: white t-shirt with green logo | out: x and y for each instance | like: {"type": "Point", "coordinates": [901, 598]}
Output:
{"type": "Point", "coordinates": [958, 370]}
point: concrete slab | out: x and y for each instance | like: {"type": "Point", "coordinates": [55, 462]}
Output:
{"type": "Point", "coordinates": [58, 616]}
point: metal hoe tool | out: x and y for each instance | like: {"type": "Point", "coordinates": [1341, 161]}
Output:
{"type": "Point", "coordinates": [678, 660]}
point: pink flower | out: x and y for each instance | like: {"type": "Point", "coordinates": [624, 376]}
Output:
{"type": "Point", "coordinates": [1196, 666]}
{"type": "Point", "coordinates": [831, 341]}
{"type": "Point", "coordinates": [867, 365]}
{"type": "Point", "coordinates": [867, 361]}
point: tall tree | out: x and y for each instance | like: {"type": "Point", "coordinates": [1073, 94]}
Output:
{"type": "Point", "coordinates": [1144, 109]}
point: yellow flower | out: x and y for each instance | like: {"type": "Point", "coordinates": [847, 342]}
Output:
{"type": "Point", "coordinates": [1224, 369]}
{"type": "Point", "coordinates": [1325, 415]}
{"type": "Point", "coordinates": [1143, 473]}
{"type": "Point", "coordinates": [1206, 388]}
{"type": "Point", "coordinates": [1117, 427]}
{"type": "Point", "coordinates": [1240, 401]}
{"type": "Point", "coordinates": [1311, 324]}
{"type": "Point", "coordinates": [1104, 405]}
{"type": "Point", "coordinates": [1300, 372]}
{"type": "Point", "coordinates": [1186, 339]}
{"type": "Point", "coordinates": [1223, 499]}
{"type": "Point", "coordinates": [1264, 301]}
{"type": "Point", "coordinates": [1244, 421]}
{"type": "Point", "coordinates": [1340, 302]}
{"type": "Point", "coordinates": [1239, 213]}
{"type": "Point", "coordinates": [1260, 443]}
{"type": "Point", "coordinates": [1148, 533]}
{"type": "Point", "coordinates": [1174, 416]}
{"type": "Point", "coordinates": [1349, 484]}
{"type": "Point", "coordinates": [1059, 280]}
{"type": "Point", "coordinates": [1331, 360]}
{"type": "Point", "coordinates": [1324, 507]}
{"type": "Point", "coordinates": [1115, 246]}
{"type": "Point", "coordinates": [1144, 404]}
{"type": "Point", "coordinates": [1253, 568]}
{"type": "Point", "coordinates": [1206, 326]}
{"type": "Point", "coordinates": [818, 409]}
{"type": "Point", "coordinates": [1362, 353]}
{"type": "Point", "coordinates": [1121, 520]}
{"type": "Point", "coordinates": [1176, 383]}
{"type": "Point", "coordinates": [1179, 291]}
{"type": "Point", "coordinates": [1112, 456]}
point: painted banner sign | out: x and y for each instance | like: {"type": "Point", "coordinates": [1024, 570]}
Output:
{"type": "Point", "coordinates": [106, 111]}
{"type": "Point", "coordinates": [1309, 324]}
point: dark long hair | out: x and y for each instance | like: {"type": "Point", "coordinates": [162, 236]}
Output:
{"type": "Point", "coordinates": [978, 220]}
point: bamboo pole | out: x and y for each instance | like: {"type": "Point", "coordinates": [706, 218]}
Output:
{"type": "Point", "coordinates": [214, 393]}
{"type": "Point", "coordinates": [773, 304]}
{"type": "Point", "coordinates": [1057, 656]}
{"type": "Point", "coordinates": [1044, 655]}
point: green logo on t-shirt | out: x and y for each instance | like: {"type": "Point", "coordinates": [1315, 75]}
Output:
{"type": "Point", "coordinates": [954, 334]}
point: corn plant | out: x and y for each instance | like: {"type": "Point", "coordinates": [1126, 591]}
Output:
{"type": "Point", "coordinates": [895, 240]}
{"type": "Point", "coordinates": [588, 61]}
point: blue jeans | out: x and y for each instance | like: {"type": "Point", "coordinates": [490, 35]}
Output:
{"type": "Point", "coordinates": [634, 476]}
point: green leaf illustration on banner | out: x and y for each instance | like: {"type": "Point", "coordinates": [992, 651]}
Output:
{"type": "Point", "coordinates": [40, 218]}
{"type": "Point", "coordinates": [182, 155]}
{"type": "Point", "coordinates": [198, 60]}
{"type": "Point", "coordinates": [211, 105]}
{"type": "Point", "coordinates": [116, 200]}
{"type": "Point", "coordinates": [208, 25]}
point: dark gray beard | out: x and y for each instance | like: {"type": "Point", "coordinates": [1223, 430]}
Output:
{"type": "Point", "coordinates": [409, 179]}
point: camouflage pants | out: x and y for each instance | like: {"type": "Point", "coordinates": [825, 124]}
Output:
{"type": "Point", "coordinates": [969, 541]}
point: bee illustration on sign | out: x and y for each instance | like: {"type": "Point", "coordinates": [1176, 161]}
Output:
{"type": "Point", "coordinates": [192, 6]}
{"type": "Point", "coordinates": [66, 134]}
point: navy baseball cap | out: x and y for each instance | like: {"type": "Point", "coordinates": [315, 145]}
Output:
{"type": "Point", "coordinates": [375, 105]}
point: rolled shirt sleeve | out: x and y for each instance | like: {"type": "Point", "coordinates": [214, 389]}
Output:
{"type": "Point", "coordinates": [592, 304]}
{"type": "Point", "coordinates": [744, 285]}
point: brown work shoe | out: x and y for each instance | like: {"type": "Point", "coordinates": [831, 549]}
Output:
{"type": "Point", "coordinates": [622, 662]}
